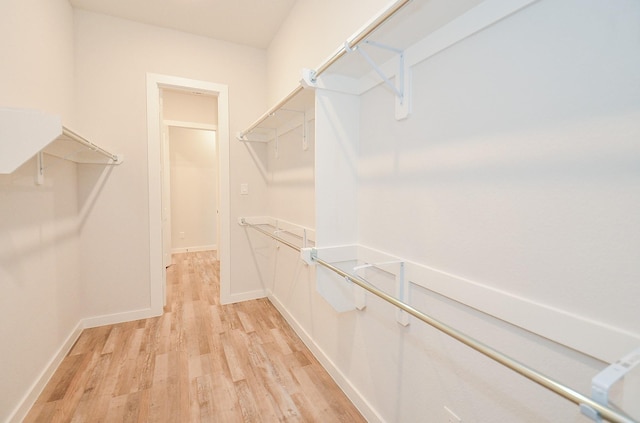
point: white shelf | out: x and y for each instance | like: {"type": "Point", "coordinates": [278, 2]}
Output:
{"type": "Point", "coordinates": [26, 133]}
{"type": "Point", "coordinates": [289, 113]}
{"type": "Point", "coordinates": [405, 34]}
{"type": "Point", "coordinates": [403, 25]}
{"type": "Point", "coordinates": [420, 29]}
{"type": "Point", "coordinates": [409, 25]}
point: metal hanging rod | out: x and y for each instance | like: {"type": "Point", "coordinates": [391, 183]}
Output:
{"type": "Point", "coordinates": [270, 112]}
{"type": "Point", "coordinates": [79, 139]}
{"type": "Point", "coordinates": [362, 35]}
{"type": "Point", "coordinates": [375, 24]}
{"type": "Point", "coordinates": [572, 395]}
{"type": "Point", "coordinates": [269, 234]}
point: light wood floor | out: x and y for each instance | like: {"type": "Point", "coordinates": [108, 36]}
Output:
{"type": "Point", "coordinates": [199, 362]}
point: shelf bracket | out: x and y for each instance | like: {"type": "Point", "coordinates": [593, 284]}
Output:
{"type": "Point", "coordinates": [276, 140]}
{"type": "Point", "coordinates": [305, 143]}
{"type": "Point", "coordinates": [39, 168]}
{"type": "Point", "coordinates": [401, 291]}
{"type": "Point", "coordinates": [401, 87]}
{"type": "Point", "coordinates": [602, 382]}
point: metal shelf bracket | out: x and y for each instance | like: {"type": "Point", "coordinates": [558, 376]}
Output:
{"type": "Point", "coordinates": [602, 383]}
{"type": "Point", "coordinates": [401, 288]}
{"type": "Point", "coordinates": [305, 142]}
{"type": "Point", "coordinates": [39, 168]}
{"type": "Point", "coordinates": [401, 87]}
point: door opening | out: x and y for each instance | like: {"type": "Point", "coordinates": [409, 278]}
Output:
{"type": "Point", "coordinates": [191, 196]}
{"type": "Point", "coordinates": [159, 218]}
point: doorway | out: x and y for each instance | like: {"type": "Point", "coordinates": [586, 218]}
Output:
{"type": "Point", "coordinates": [156, 84]}
{"type": "Point", "coordinates": [191, 189]}
{"type": "Point", "coordinates": [190, 172]}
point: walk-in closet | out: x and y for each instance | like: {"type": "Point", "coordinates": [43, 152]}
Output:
{"type": "Point", "coordinates": [389, 211]}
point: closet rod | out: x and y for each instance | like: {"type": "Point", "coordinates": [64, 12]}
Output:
{"type": "Point", "coordinates": [326, 65]}
{"type": "Point", "coordinates": [576, 397]}
{"type": "Point", "coordinates": [267, 233]}
{"type": "Point", "coordinates": [362, 35]}
{"type": "Point", "coordinates": [270, 112]}
{"type": "Point", "coordinates": [75, 137]}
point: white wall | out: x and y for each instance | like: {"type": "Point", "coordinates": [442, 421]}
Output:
{"type": "Point", "coordinates": [312, 32]}
{"type": "Point", "coordinates": [528, 161]}
{"type": "Point", "coordinates": [39, 271]}
{"type": "Point", "coordinates": [518, 171]}
{"type": "Point", "coordinates": [36, 74]}
{"type": "Point", "coordinates": [189, 107]}
{"type": "Point", "coordinates": [291, 178]}
{"type": "Point", "coordinates": [113, 57]}
{"type": "Point", "coordinates": [194, 183]}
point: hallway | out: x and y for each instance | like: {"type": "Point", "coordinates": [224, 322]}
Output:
{"type": "Point", "coordinates": [199, 362]}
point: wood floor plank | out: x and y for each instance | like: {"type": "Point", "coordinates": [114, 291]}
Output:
{"type": "Point", "coordinates": [204, 399]}
{"type": "Point", "coordinates": [137, 407]}
{"type": "Point", "coordinates": [316, 404]}
{"type": "Point", "coordinates": [127, 377]}
{"type": "Point", "coordinates": [91, 402]}
{"type": "Point", "coordinates": [116, 409]}
{"type": "Point", "coordinates": [226, 406]}
{"type": "Point", "coordinates": [200, 362]}
{"type": "Point", "coordinates": [58, 385]}
{"type": "Point", "coordinates": [91, 339]}
{"type": "Point", "coordinates": [145, 365]}
{"type": "Point", "coordinates": [247, 402]}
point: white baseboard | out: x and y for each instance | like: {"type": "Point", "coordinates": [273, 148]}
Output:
{"type": "Point", "coordinates": [20, 412]}
{"type": "Point", "coordinates": [367, 410]}
{"type": "Point", "coordinates": [112, 319]}
{"type": "Point", "coordinates": [213, 247]}
{"type": "Point", "coordinates": [245, 296]}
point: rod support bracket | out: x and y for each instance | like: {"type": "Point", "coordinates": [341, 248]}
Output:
{"type": "Point", "coordinates": [602, 383]}
{"type": "Point", "coordinates": [309, 255]}
{"type": "Point", "coordinates": [309, 78]}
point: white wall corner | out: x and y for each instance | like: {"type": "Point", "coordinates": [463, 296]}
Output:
{"type": "Point", "coordinates": [24, 406]}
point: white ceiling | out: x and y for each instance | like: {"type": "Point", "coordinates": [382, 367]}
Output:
{"type": "Point", "coordinates": [249, 22]}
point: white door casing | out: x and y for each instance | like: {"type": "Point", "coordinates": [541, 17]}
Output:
{"type": "Point", "coordinates": [155, 84]}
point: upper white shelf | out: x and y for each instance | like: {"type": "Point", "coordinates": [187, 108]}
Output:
{"type": "Point", "coordinates": [385, 38]}
{"type": "Point", "coordinates": [404, 28]}
{"type": "Point", "coordinates": [289, 112]}
{"type": "Point", "coordinates": [25, 133]}
{"type": "Point", "coordinates": [386, 48]}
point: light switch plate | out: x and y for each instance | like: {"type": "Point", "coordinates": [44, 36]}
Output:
{"type": "Point", "coordinates": [244, 189]}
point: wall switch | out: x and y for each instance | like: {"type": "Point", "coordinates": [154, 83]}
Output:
{"type": "Point", "coordinates": [244, 189]}
{"type": "Point", "coordinates": [451, 416]}
{"type": "Point", "coordinates": [181, 235]}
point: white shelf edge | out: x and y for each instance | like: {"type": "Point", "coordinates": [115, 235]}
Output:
{"type": "Point", "coordinates": [25, 133]}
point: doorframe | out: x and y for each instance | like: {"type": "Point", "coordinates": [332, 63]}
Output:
{"type": "Point", "coordinates": [157, 272]}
